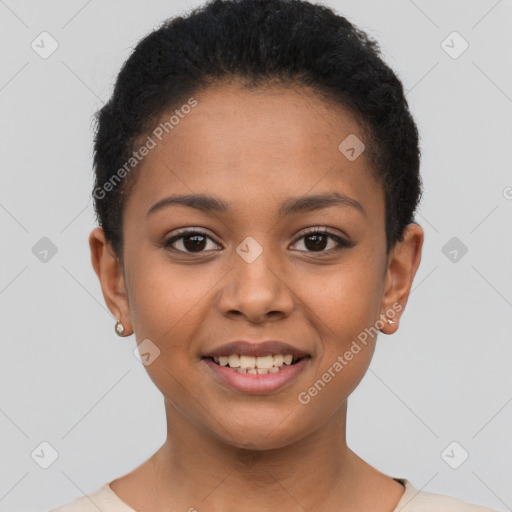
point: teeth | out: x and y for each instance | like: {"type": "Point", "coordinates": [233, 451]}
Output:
{"type": "Point", "coordinates": [255, 365]}
{"type": "Point", "coordinates": [247, 361]}
{"type": "Point", "coordinates": [234, 361]}
{"type": "Point", "coordinates": [278, 360]}
{"type": "Point", "coordinates": [265, 362]}
{"type": "Point", "coordinates": [259, 371]}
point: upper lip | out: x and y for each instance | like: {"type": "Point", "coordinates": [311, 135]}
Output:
{"type": "Point", "coordinates": [256, 349]}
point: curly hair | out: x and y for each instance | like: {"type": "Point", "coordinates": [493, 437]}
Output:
{"type": "Point", "coordinates": [260, 42]}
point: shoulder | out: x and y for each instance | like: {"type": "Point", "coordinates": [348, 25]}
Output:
{"type": "Point", "coordinates": [415, 500]}
{"type": "Point", "coordinates": [102, 499]}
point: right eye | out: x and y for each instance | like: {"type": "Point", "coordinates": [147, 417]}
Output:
{"type": "Point", "coordinates": [191, 241]}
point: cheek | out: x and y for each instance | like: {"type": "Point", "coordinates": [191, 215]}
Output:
{"type": "Point", "coordinates": [165, 299]}
{"type": "Point", "coordinates": [345, 312]}
{"type": "Point", "coordinates": [347, 299]}
{"type": "Point", "coordinates": [165, 308]}
{"type": "Point", "coordinates": [168, 305]}
{"type": "Point", "coordinates": [346, 308]}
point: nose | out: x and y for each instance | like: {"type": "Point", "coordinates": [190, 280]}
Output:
{"type": "Point", "coordinates": [257, 291]}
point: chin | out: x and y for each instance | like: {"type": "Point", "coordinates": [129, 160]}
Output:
{"type": "Point", "coordinates": [261, 434]}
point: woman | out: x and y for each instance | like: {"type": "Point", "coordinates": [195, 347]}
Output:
{"type": "Point", "coordinates": [257, 175]}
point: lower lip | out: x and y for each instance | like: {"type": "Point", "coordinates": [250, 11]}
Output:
{"type": "Point", "coordinates": [257, 383]}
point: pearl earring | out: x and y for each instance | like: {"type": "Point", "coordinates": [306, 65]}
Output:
{"type": "Point", "coordinates": [388, 320]}
{"type": "Point", "coordinates": [119, 328]}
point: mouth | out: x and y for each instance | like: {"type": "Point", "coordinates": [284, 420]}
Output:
{"type": "Point", "coordinates": [256, 365]}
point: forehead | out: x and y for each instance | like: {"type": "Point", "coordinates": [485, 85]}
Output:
{"type": "Point", "coordinates": [255, 145]}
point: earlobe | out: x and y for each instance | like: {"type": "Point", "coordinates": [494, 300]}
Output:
{"type": "Point", "coordinates": [109, 272]}
{"type": "Point", "coordinates": [403, 263]}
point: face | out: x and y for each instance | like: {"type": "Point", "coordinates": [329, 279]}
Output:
{"type": "Point", "coordinates": [290, 246]}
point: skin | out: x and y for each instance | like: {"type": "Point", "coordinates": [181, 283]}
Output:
{"type": "Point", "coordinates": [255, 149]}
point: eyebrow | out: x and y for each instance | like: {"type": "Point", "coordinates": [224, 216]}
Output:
{"type": "Point", "coordinates": [291, 206]}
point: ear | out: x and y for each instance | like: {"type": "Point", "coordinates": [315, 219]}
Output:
{"type": "Point", "coordinates": [110, 273]}
{"type": "Point", "coordinates": [403, 262]}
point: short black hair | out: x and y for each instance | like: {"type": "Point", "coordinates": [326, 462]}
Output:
{"type": "Point", "coordinates": [260, 42]}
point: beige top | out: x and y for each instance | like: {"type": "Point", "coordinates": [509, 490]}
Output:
{"type": "Point", "coordinates": [106, 500]}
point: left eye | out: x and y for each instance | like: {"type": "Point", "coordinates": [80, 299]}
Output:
{"type": "Point", "coordinates": [316, 240]}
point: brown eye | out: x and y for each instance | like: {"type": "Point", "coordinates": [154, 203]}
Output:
{"type": "Point", "coordinates": [317, 240]}
{"type": "Point", "coordinates": [189, 242]}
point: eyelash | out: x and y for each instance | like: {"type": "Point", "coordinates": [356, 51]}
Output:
{"type": "Point", "coordinates": [342, 243]}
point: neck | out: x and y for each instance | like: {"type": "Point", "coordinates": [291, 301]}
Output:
{"type": "Point", "coordinates": [195, 469]}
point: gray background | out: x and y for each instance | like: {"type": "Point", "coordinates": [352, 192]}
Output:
{"type": "Point", "coordinates": [67, 379]}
